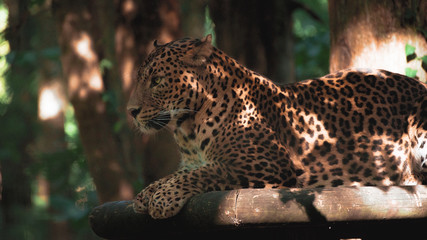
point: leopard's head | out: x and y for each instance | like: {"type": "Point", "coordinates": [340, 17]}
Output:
{"type": "Point", "coordinates": [167, 88]}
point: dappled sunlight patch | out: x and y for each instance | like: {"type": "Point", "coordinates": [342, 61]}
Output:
{"type": "Point", "coordinates": [82, 46]}
{"type": "Point", "coordinates": [50, 102]}
{"type": "Point", "coordinates": [85, 78]}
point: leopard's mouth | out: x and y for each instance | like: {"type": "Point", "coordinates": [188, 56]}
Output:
{"type": "Point", "coordinates": [159, 121]}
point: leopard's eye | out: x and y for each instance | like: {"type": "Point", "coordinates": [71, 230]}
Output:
{"type": "Point", "coordinates": [155, 81]}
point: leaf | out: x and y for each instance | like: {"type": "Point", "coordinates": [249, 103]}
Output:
{"type": "Point", "coordinates": [424, 62]}
{"type": "Point", "coordinates": [118, 126]}
{"type": "Point", "coordinates": [105, 64]}
{"type": "Point", "coordinates": [410, 52]}
{"type": "Point", "coordinates": [410, 72]}
{"type": "Point", "coordinates": [409, 49]}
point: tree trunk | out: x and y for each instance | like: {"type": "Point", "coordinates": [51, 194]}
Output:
{"type": "Point", "coordinates": [374, 33]}
{"type": "Point", "coordinates": [51, 107]}
{"type": "Point", "coordinates": [139, 24]}
{"type": "Point", "coordinates": [258, 34]}
{"type": "Point", "coordinates": [394, 212]}
{"type": "Point", "coordinates": [78, 31]}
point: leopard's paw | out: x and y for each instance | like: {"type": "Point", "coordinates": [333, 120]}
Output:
{"type": "Point", "coordinates": [164, 204]}
{"type": "Point", "coordinates": [141, 201]}
{"type": "Point", "coordinates": [169, 200]}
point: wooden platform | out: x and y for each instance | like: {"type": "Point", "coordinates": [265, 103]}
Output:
{"type": "Point", "coordinates": [327, 213]}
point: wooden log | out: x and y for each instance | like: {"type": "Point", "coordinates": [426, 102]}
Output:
{"type": "Point", "coordinates": [255, 208]}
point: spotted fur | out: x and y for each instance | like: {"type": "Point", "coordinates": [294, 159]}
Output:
{"type": "Point", "coordinates": [237, 129]}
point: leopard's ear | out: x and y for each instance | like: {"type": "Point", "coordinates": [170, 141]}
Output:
{"type": "Point", "coordinates": [157, 45]}
{"type": "Point", "coordinates": [198, 56]}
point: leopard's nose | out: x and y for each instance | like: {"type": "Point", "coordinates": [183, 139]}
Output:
{"type": "Point", "coordinates": [133, 111]}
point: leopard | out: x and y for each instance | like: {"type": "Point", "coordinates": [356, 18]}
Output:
{"type": "Point", "coordinates": [236, 129]}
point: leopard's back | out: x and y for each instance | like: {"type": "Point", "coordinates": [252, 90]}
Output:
{"type": "Point", "coordinates": [356, 127]}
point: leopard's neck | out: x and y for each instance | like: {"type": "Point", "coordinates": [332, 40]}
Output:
{"type": "Point", "coordinates": [231, 96]}
{"type": "Point", "coordinates": [226, 78]}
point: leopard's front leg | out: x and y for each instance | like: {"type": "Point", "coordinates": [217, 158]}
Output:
{"type": "Point", "coordinates": [168, 200]}
{"type": "Point", "coordinates": [142, 200]}
{"type": "Point", "coordinates": [171, 195]}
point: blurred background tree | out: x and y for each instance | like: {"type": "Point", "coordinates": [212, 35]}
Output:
{"type": "Point", "coordinates": [369, 34]}
{"type": "Point", "coordinates": [67, 68]}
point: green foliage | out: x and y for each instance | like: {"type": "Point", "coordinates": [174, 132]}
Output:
{"type": "Point", "coordinates": [5, 97]}
{"type": "Point", "coordinates": [105, 64]}
{"type": "Point", "coordinates": [424, 62]}
{"type": "Point", "coordinates": [409, 50]}
{"type": "Point", "coordinates": [70, 183]}
{"type": "Point", "coordinates": [209, 25]}
{"type": "Point", "coordinates": [411, 55]}
{"type": "Point", "coordinates": [72, 192]}
{"type": "Point", "coordinates": [52, 53]}
{"type": "Point", "coordinates": [71, 129]}
{"type": "Point", "coordinates": [311, 49]}
{"type": "Point", "coordinates": [410, 72]}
